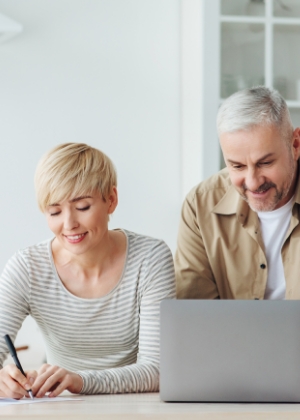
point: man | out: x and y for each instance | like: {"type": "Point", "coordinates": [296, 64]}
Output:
{"type": "Point", "coordinates": [239, 235]}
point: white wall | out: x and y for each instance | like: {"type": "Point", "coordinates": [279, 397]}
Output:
{"type": "Point", "coordinates": [104, 72]}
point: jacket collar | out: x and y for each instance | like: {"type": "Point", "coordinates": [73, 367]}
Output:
{"type": "Point", "coordinates": [229, 203]}
{"type": "Point", "coordinates": [297, 191]}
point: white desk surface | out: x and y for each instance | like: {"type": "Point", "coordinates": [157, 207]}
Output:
{"type": "Point", "coordinates": [148, 407]}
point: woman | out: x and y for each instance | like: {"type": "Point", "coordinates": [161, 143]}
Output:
{"type": "Point", "coordinates": [94, 292]}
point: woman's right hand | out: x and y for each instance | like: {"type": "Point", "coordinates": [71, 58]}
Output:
{"type": "Point", "coordinates": [13, 384]}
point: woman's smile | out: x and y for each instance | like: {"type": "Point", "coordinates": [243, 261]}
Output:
{"type": "Point", "coordinates": [75, 239]}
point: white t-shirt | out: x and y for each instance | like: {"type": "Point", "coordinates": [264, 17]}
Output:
{"type": "Point", "coordinates": [274, 226]}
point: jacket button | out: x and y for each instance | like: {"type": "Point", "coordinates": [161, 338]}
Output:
{"type": "Point", "coordinates": [262, 266]}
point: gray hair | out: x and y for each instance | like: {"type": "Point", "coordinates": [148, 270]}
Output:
{"type": "Point", "coordinates": [257, 106]}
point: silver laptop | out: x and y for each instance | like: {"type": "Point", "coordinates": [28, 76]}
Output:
{"type": "Point", "coordinates": [230, 351]}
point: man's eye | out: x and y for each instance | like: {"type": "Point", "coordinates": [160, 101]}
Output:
{"type": "Point", "coordinates": [83, 208]}
{"type": "Point", "coordinates": [238, 166]}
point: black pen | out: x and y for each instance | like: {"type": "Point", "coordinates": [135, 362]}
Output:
{"type": "Point", "coordinates": [13, 354]}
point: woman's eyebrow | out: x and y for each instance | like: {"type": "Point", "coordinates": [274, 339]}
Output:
{"type": "Point", "coordinates": [74, 200]}
{"type": "Point", "coordinates": [79, 198]}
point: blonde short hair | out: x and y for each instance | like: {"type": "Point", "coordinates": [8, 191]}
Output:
{"type": "Point", "coordinates": [73, 170]}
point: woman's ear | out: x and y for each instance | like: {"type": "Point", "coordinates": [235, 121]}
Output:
{"type": "Point", "coordinates": [112, 200]}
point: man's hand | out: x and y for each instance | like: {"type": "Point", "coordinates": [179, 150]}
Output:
{"type": "Point", "coordinates": [13, 384]}
{"type": "Point", "coordinates": [55, 380]}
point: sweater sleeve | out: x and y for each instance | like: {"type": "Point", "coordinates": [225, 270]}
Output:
{"type": "Point", "coordinates": [14, 300]}
{"type": "Point", "coordinates": [158, 283]}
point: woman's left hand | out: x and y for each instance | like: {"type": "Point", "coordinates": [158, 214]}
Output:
{"type": "Point", "coordinates": [55, 380]}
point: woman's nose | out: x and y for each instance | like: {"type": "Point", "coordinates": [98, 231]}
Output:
{"type": "Point", "coordinates": [70, 221]}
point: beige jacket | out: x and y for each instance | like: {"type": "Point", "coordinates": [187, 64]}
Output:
{"type": "Point", "coordinates": [220, 250]}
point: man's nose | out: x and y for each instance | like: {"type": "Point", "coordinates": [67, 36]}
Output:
{"type": "Point", "coordinates": [253, 180]}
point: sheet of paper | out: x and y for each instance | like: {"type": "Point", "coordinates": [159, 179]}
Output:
{"type": "Point", "coordinates": [9, 401]}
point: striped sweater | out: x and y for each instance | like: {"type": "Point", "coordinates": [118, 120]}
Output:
{"type": "Point", "coordinates": [112, 341]}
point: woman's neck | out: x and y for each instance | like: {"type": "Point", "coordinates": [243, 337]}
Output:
{"type": "Point", "coordinates": [96, 261]}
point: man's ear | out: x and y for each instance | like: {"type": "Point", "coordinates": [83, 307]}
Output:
{"type": "Point", "coordinates": [113, 200]}
{"type": "Point", "coordinates": [296, 143]}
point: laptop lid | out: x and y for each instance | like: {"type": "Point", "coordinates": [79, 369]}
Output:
{"type": "Point", "coordinates": [230, 351]}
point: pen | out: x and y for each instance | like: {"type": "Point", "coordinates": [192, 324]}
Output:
{"type": "Point", "coordinates": [13, 354]}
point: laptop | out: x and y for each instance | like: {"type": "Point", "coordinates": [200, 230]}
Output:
{"type": "Point", "coordinates": [230, 351]}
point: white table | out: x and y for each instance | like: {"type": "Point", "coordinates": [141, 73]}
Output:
{"type": "Point", "coordinates": [148, 407]}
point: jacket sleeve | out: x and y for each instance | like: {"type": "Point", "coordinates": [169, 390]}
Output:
{"type": "Point", "coordinates": [194, 276]}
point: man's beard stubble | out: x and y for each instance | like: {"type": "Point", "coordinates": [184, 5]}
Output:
{"type": "Point", "coordinates": [280, 194]}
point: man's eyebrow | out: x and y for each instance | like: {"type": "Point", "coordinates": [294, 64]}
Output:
{"type": "Point", "coordinates": [74, 200]}
{"type": "Point", "coordinates": [233, 162]}
{"type": "Point", "coordinates": [266, 156]}
{"type": "Point", "coordinates": [259, 160]}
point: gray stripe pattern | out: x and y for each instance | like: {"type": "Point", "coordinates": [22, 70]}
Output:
{"type": "Point", "coordinates": [112, 341]}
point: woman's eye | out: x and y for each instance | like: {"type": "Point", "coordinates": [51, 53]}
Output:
{"type": "Point", "coordinates": [54, 214]}
{"type": "Point", "coordinates": [83, 208]}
